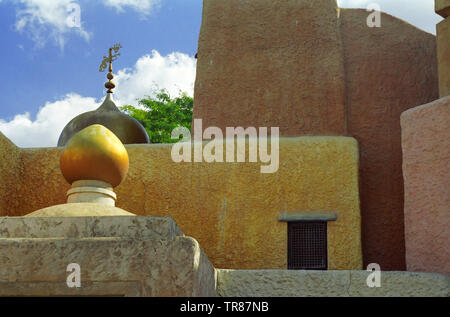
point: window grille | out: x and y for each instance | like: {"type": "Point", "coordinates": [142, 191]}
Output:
{"type": "Point", "coordinates": [307, 246]}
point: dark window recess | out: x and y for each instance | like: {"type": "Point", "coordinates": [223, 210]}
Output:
{"type": "Point", "coordinates": [307, 246]}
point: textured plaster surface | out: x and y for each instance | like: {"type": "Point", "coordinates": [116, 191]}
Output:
{"type": "Point", "coordinates": [443, 50]}
{"type": "Point", "coordinates": [271, 63]}
{"type": "Point", "coordinates": [127, 288]}
{"type": "Point", "coordinates": [311, 69]}
{"type": "Point", "coordinates": [116, 255]}
{"type": "Point", "coordinates": [11, 172]}
{"type": "Point", "coordinates": [426, 161]}
{"type": "Point", "coordinates": [230, 208]}
{"type": "Point", "coordinates": [42, 180]}
{"type": "Point", "coordinates": [139, 227]}
{"type": "Point", "coordinates": [442, 7]}
{"type": "Point", "coordinates": [388, 70]}
{"type": "Point", "coordinates": [165, 267]}
{"type": "Point", "coordinates": [273, 283]}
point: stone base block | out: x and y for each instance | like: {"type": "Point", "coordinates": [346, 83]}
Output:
{"type": "Point", "coordinates": [128, 288]}
{"type": "Point", "coordinates": [122, 256]}
{"type": "Point", "coordinates": [138, 227]}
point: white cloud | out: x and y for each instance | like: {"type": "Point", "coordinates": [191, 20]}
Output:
{"type": "Point", "coordinates": [417, 12]}
{"type": "Point", "coordinates": [174, 72]}
{"type": "Point", "coordinates": [49, 123]}
{"type": "Point", "coordinates": [45, 20]}
{"type": "Point", "coordinates": [142, 6]}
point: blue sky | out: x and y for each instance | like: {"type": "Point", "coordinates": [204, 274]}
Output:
{"type": "Point", "coordinates": [35, 74]}
{"type": "Point", "coordinates": [50, 70]}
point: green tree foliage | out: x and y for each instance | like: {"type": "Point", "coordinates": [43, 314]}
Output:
{"type": "Point", "coordinates": [161, 114]}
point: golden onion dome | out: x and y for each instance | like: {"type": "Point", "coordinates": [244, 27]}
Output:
{"type": "Point", "coordinates": [95, 153]}
{"type": "Point", "coordinates": [126, 128]}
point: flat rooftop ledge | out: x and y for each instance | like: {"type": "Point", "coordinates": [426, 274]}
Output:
{"type": "Point", "coordinates": [301, 283]}
{"type": "Point", "coordinates": [139, 227]}
{"type": "Point", "coordinates": [307, 216]}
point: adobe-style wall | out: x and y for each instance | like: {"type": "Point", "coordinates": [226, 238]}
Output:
{"type": "Point", "coordinates": [311, 68]}
{"type": "Point", "coordinates": [271, 63]}
{"type": "Point", "coordinates": [230, 208]}
{"type": "Point", "coordinates": [426, 161]}
{"type": "Point", "coordinates": [10, 175]}
{"type": "Point", "coordinates": [388, 70]}
{"type": "Point", "coordinates": [443, 34]}
{"type": "Point", "coordinates": [442, 8]}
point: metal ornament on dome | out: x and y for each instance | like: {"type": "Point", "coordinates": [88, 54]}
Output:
{"type": "Point", "coordinates": [126, 128]}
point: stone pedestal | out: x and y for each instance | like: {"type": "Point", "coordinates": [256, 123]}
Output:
{"type": "Point", "coordinates": [122, 256]}
{"type": "Point", "coordinates": [91, 191]}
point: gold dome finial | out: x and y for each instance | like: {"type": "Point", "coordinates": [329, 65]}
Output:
{"type": "Point", "coordinates": [109, 59]}
{"type": "Point", "coordinates": [95, 153]}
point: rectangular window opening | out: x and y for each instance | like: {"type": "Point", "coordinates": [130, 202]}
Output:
{"type": "Point", "coordinates": [307, 245]}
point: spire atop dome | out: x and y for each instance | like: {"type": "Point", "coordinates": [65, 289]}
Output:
{"type": "Point", "coordinates": [126, 128]}
{"type": "Point", "coordinates": [109, 59]}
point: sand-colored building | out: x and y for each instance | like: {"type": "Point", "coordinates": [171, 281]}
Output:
{"type": "Point", "coordinates": [336, 88]}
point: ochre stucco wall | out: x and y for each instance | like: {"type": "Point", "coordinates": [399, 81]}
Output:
{"type": "Point", "coordinates": [230, 208]}
{"type": "Point", "coordinates": [311, 68]}
{"type": "Point", "coordinates": [10, 176]}
{"type": "Point", "coordinates": [426, 161]}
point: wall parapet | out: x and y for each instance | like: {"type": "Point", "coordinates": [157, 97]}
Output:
{"type": "Point", "coordinates": [278, 283]}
